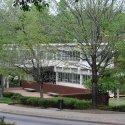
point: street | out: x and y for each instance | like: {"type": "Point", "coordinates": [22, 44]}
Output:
{"type": "Point", "coordinates": [28, 120]}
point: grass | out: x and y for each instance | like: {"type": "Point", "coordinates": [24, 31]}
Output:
{"type": "Point", "coordinates": [112, 101]}
{"type": "Point", "coordinates": [6, 100]}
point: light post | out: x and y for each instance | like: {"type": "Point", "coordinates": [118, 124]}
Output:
{"type": "Point", "coordinates": [118, 87]}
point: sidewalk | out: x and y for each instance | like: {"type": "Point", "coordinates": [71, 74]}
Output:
{"type": "Point", "coordinates": [24, 92]}
{"type": "Point", "coordinates": [112, 118]}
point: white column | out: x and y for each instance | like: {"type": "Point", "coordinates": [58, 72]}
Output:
{"type": "Point", "coordinates": [56, 73]}
{"type": "Point", "coordinates": [7, 83]}
{"type": "Point", "coordinates": [56, 77]}
{"type": "Point", "coordinates": [46, 55]}
{"type": "Point", "coordinates": [80, 57]}
{"type": "Point", "coordinates": [81, 79]}
{"type": "Point", "coordinates": [118, 87]}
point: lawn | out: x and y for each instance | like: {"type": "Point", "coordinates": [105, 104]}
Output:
{"type": "Point", "coordinates": [6, 100]}
{"type": "Point", "coordinates": [113, 101]}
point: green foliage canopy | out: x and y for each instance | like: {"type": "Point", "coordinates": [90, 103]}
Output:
{"type": "Point", "coordinates": [25, 5]}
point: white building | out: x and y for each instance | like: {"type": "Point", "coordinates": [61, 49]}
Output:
{"type": "Point", "coordinates": [66, 65]}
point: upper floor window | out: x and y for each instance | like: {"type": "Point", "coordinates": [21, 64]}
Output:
{"type": "Point", "coordinates": [68, 55]}
{"type": "Point", "coordinates": [47, 55]}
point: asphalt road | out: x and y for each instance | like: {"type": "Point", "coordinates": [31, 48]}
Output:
{"type": "Point", "coordinates": [28, 120]}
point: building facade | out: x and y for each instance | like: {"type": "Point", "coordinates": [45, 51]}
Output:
{"type": "Point", "coordinates": [65, 65]}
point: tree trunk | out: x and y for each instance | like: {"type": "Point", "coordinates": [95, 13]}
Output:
{"type": "Point", "coordinates": [2, 87]}
{"type": "Point", "coordinates": [94, 83]}
{"type": "Point", "coordinates": [1, 94]}
{"type": "Point", "coordinates": [94, 95]}
{"type": "Point", "coordinates": [41, 89]}
{"type": "Point", "coordinates": [2, 82]}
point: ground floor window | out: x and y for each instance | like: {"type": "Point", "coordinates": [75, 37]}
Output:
{"type": "Point", "coordinates": [69, 77]}
{"type": "Point", "coordinates": [50, 76]}
{"type": "Point", "coordinates": [86, 77]}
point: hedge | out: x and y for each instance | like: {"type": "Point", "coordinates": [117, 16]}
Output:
{"type": "Point", "coordinates": [10, 94]}
{"type": "Point", "coordinates": [68, 103]}
{"type": "Point", "coordinates": [113, 108]}
{"type": "Point", "coordinates": [14, 96]}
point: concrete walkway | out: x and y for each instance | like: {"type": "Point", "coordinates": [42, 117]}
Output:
{"type": "Point", "coordinates": [112, 118]}
{"type": "Point", "coordinates": [24, 92]}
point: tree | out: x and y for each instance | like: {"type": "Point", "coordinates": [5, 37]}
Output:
{"type": "Point", "coordinates": [96, 29]}
{"type": "Point", "coordinates": [26, 4]}
{"type": "Point", "coordinates": [6, 22]}
{"type": "Point", "coordinates": [120, 62]}
{"type": "Point", "coordinates": [32, 43]}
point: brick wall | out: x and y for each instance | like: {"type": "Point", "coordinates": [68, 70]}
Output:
{"type": "Point", "coordinates": [48, 87]}
{"type": "Point", "coordinates": [31, 84]}
{"type": "Point", "coordinates": [103, 98]}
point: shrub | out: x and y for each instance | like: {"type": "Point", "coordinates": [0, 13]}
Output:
{"type": "Point", "coordinates": [8, 94]}
{"type": "Point", "coordinates": [4, 123]}
{"type": "Point", "coordinates": [119, 108]}
{"type": "Point", "coordinates": [45, 103]}
{"type": "Point", "coordinates": [13, 82]}
{"type": "Point", "coordinates": [113, 108]}
{"type": "Point", "coordinates": [109, 108]}
{"type": "Point", "coordinates": [34, 101]}
{"type": "Point", "coordinates": [50, 102]}
{"type": "Point", "coordinates": [83, 104]}
{"type": "Point", "coordinates": [73, 103]}
{"type": "Point", "coordinates": [16, 97]}
{"type": "Point", "coordinates": [23, 100]}
{"type": "Point", "coordinates": [69, 103]}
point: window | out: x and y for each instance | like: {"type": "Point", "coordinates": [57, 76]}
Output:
{"type": "Point", "coordinates": [26, 54]}
{"type": "Point", "coordinates": [47, 55]}
{"type": "Point", "coordinates": [68, 55]}
{"type": "Point", "coordinates": [75, 56]}
{"type": "Point", "coordinates": [98, 56]}
{"type": "Point", "coordinates": [43, 54]}
{"type": "Point", "coordinates": [60, 77]}
{"type": "Point", "coordinates": [86, 77]}
{"type": "Point", "coordinates": [50, 55]}
{"type": "Point", "coordinates": [69, 77]}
